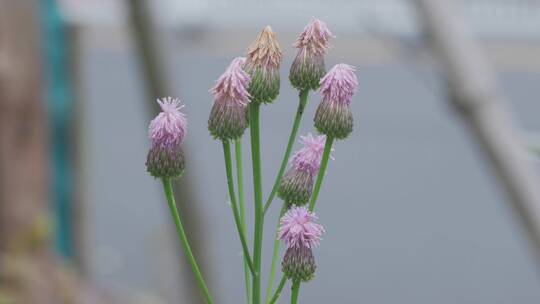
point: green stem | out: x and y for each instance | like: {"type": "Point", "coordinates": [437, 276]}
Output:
{"type": "Point", "coordinates": [167, 186]}
{"type": "Point", "coordinates": [275, 255]}
{"type": "Point", "coordinates": [241, 203]}
{"type": "Point", "coordinates": [232, 196]}
{"type": "Point", "coordinates": [295, 291]}
{"type": "Point", "coordinates": [322, 169]}
{"type": "Point", "coordinates": [254, 108]}
{"type": "Point", "coordinates": [278, 290]}
{"type": "Point", "coordinates": [292, 138]}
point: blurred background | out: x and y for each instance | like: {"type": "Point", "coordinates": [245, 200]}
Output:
{"type": "Point", "coordinates": [418, 205]}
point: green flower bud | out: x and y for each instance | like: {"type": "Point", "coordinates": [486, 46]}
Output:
{"type": "Point", "coordinates": [165, 162]}
{"type": "Point", "coordinates": [299, 264]}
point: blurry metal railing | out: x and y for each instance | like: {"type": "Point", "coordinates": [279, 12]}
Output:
{"type": "Point", "coordinates": [476, 96]}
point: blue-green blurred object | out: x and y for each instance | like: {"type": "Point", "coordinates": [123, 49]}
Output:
{"type": "Point", "coordinates": [59, 104]}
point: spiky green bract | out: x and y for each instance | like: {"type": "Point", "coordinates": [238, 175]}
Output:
{"type": "Point", "coordinates": [165, 162]}
{"type": "Point", "coordinates": [227, 121]}
{"type": "Point", "coordinates": [265, 83]}
{"type": "Point", "coordinates": [299, 264]}
{"type": "Point", "coordinates": [334, 119]}
{"type": "Point", "coordinates": [306, 72]}
{"type": "Point", "coordinates": [296, 187]}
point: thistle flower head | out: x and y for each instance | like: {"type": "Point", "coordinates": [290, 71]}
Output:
{"type": "Point", "coordinates": [308, 65]}
{"type": "Point", "coordinates": [298, 228]}
{"type": "Point", "coordinates": [339, 84]}
{"type": "Point", "coordinates": [262, 63]}
{"type": "Point", "coordinates": [232, 85]}
{"type": "Point", "coordinates": [308, 158]}
{"type": "Point", "coordinates": [169, 127]}
{"type": "Point", "coordinates": [165, 158]}
{"type": "Point", "coordinates": [297, 184]}
{"type": "Point", "coordinates": [334, 116]}
{"type": "Point", "coordinates": [264, 51]}
{"type": "Point", "coordinates": [228, 116]}
{"type": "Point", "coordinates": [314, 38]}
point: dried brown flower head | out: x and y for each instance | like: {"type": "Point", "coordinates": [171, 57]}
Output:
{"type": "Point", "coordinates": [265, 50]}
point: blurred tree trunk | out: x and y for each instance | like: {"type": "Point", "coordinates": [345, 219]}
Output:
{"type": "Point", "coordinates": [24, 226]}
{"type": "Point", "coordinates": [30, 272]}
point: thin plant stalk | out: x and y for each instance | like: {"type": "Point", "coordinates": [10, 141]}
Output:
{"type": "Point", "coordinates": [295, 291]}
{"type": "Point", "coordinates": [322, 170]}
{"type": "Point", "coordinates": [275, 255]}
{"type": "Point", "coordinates": [303, 96]}
{"type": "Point", "coordinates": [278, 290]}
{"type": "Point", "coordinates": [232, 197]}
{"type": "Point", "coordinates": [254, 108]}
{"type": "Point", "coordinates": [241, 204]}
{"type": "Point", "coordinates": [167, 187]}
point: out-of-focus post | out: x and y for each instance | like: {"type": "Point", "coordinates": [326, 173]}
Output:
{"type": "Point", "coordinates": [475, 94]}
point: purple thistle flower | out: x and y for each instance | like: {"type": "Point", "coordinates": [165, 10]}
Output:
{"type": "Point", "coordinates": [169, 127]}
{"type": "Point", "coordinates": [232, 85]}
{"type": "Point", "coordinates": [167, 130]}
{"type": "Point", "coordinates": [298, 228]}
{"type": "Point", "coordinates": [314, 38]}
{"type": "Point", "coordinates": [228, 118]}
{"type": "Point", "coordinates": [309, 157]}
{"type": "Point", "coordinates": [297, 184]}
{"type": "Point", "coordinates": [334, 115]}
{"type": "Point", "coordinates": [308, 65]}
{"type": "Point", "coordinates": [339, 84]}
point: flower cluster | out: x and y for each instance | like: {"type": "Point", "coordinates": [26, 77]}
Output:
{"type": "Point", "coordinates": [247, 83]}
{"type": "Point", "coordinates": [165, 158]}
{"type": "Point", "coordinates": [334, 120]}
